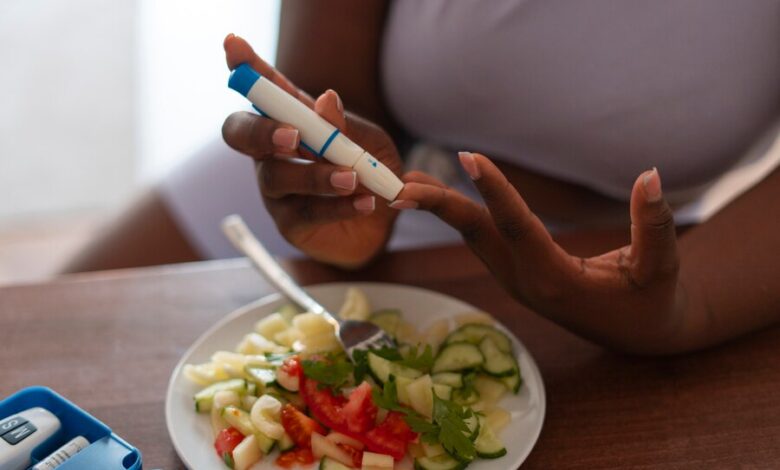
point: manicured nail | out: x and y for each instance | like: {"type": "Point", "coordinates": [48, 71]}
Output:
{"type": "Point", "coordinates": [229, 36]}
{"type": "Point", "coordinates": [344, 180]}
{"type": "Point", "coordinates": [339, 103]}
{"type": "Point", "coordinates": [652, 184]}
{"type": "Point", "coordinates": [400, 204]}
{"type": "Point", "coordinates": [285, 138]}
{"type": "Point", "coordinates": [365, 204]}
{"type": "Point", "coordinates": [469, 164]}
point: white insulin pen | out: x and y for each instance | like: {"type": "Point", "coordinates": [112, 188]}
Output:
{"type": "Point", "coordinates": [317, 134]}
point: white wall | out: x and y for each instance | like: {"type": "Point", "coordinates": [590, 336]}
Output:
{"type": "Point", "coordinates": [98, 97]}
{"type": "Point", "coordinates": [66, 105]}
{"type": "Point", "coordinates": [182, 76]}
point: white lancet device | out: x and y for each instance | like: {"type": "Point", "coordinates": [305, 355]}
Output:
{"type": "Point", "coordinates": [317, 134]}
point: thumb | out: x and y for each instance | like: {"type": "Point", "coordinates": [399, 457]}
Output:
{"type": "Point", "coordinates": [330, 107]}
{"type": "Point", "coordinates": [653, 236]}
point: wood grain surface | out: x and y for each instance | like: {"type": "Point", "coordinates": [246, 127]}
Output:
{"type": "Point", "coordinates": [109, 341]}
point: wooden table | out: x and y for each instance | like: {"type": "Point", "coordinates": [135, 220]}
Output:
{"type": "Point", "coordinates": [108, 341]}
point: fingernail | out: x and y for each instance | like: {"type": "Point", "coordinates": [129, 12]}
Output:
{"type": "Point", "coordinates": [285, 138]}
{"type": "Point", "coordinates": [469, 164]}
{"type": "Point", "coordinates": [344, 180]}
{"type": "Point", "coordinates": [400, 205]}
{"type": "Point", "coordinates": [339, 103]}
{"type": "Point", "coordinates": [652, 184]}
{"type": "Point", "coordinates": [229, 36]}
{"type": "Point", "coordinates": [365, 204]}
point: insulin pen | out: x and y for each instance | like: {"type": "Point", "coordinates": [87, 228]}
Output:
{"type": "Point", "coordinates": [317, 134]}
{"type": "Point", "coordinates": [62, 454]}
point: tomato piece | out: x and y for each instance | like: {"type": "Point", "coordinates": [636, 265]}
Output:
{"type": "Point", "coordinates": [323, 405]}
{"type": "Point", "coordinates": [299, 426]}
{"type": "Point", "coordinates": [295, 457]}
{"type": "Point", "coordinates": [356, 454]}
{"type": "Point", "coordinates": [396, 425]}
{"type": "Point", "coordinates": [292, 366]}
{"type": "Point", "coordinates": [226, 441]}
{"type": "Point", "coordinates": [391, 436]}
{"type": "Point", "coordinates": [381, 441]}
{"type": "Point", "coordinates": [360, 410]}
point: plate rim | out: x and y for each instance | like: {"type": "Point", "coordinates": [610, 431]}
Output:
{"type": "Point", "coordinates": [276, 296]}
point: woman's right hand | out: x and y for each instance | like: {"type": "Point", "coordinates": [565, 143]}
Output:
{"type": "Point", "coordinates": [298, 190]}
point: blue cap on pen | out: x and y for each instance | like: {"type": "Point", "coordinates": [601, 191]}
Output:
{"type": "Point", "coordinates": [242, 78]}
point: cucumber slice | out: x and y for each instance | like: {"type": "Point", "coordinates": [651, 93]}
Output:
{"type": "Point", "coordinates": [453, 379]}
{"type": "Point", "coordinates": [401, 384]}
{"type": "Point", "coordinates": [286, 443]}
{"type": "Point", "coordinates": [465, 396]}
{"type": "Point", "coordinates": [381, 369]}
{"type": "Point", "coordinates": [239, 419]}
{"type": "Point", "coordinates": [490, 389]}
{"type": "Point", "coordinates": [205, 397]}
{"type": "Point", "coordinates": [458, 356]}
{"type": "Point", "coordinates": [265, 443]}
{"type": "Point", "coordinates": [488, 445]}
{"type": "Point", "coordinates": [514, 381]}
{"type": "Point", "coordinates": [246, 453]}
{"type": "Point", "coordinates": [388, 320]}
{"type": "Point", "coordinates": [329, 464]}
{"type": "Point", "coordinates": [440, 462]}
{"type": "Point", "coordinates": [474, 425]}
{"type": "Point", "coordinates": [474, 333]}
{"type": "Point", "coordinates": [261, 375]}
{"type": "Point", "coordinates": [497, 363]}
{"type": "Point", "coordinates": [442, 391]}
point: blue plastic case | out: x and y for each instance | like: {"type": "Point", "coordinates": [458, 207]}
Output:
{"type": "Point", "coordinates": [106, 450]}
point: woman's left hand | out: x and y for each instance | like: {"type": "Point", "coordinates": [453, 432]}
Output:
{"type": "Point", "coordinates": [630, 298]}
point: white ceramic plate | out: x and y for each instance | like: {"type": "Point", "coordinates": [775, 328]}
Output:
{"type": "Point", "coordinates": [191, 433]}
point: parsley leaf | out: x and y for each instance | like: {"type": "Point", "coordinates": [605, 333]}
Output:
{"type": "Point", "coordinates": [360, 358]}
{"type": "Point", "coordinates": [387, 397]}
{"type": "Point", "coordinates": [329, 374]}
{"type": "Point", "coordinates": [391, 354]}
{"type": "Point", "coordinates": [423, 362]}
{"type": "Point", "coordinates": [429, 432]}
{"type": "Point", "coordinates": [453, 432]}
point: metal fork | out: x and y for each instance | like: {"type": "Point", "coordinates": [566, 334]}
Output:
{"type": "Point", "coordinates": [352, 334]}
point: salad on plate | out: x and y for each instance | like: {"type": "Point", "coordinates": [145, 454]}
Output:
{"type": "Point", "coordinates": [432, 402]}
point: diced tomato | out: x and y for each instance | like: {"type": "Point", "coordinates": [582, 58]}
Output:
{"type": "Point", "coordinates": [391, 436]}
{"type": "Point", "coordinates": [295, 457]}
{"type": "Point", "coordinates": [323, 405]}
{"type": "Point", "coordinates": [360, 411]}
{"type": "Point", "coordinates": [292, 366]}
{"type": "Point", "coordinates": [396, 425]}
{"type": "Point", "coordinates": [382, 442]}
{"type": "Point", "coordinates": [356, 454]}
{"type": "Point", "coordinates": [299, 426]}
{"type": "Point", "coordinates": [226, 441]}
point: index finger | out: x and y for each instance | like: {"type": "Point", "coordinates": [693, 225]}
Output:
{"type": "Point", "coordinates": [472, 220]}
{"type": "Point", "coordinates": [238, 51]}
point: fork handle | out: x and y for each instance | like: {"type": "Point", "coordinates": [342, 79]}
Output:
{"type": "Point", "coordinates": [242, 238]}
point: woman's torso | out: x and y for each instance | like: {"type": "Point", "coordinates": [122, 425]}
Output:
{"type": "Point", "coordinates": [591, 92]}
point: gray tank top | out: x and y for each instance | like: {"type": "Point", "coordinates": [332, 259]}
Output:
{"type": "Point", "coordinates": [589, 91]}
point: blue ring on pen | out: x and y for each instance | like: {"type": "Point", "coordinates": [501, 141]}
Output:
{"type": "Point", "coordinates": [328, 142]}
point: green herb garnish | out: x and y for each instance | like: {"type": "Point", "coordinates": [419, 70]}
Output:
{"type": "Point", "coordinates": [332, 374]}
{"type": "Point", "coordinates": [448, 425]}
{"type": "Point", "coordinates": [423, 362]}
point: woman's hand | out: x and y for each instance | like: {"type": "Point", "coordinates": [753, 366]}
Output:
{"type": "Point", "coordinates": [629, 298]}
{"type": "Point", "coordinates": [317, 206]}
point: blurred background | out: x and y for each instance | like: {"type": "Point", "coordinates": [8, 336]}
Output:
{"type": "Point", "coordinates": [100, 98]}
